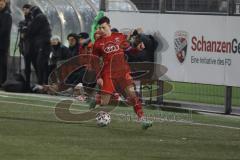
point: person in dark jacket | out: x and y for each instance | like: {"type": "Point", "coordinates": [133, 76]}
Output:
{"type": "Point", "coordinates": [5, 32]}
{"type": "Point", "coordinates": [39, 34]}
{"type": "Point", "coordinates": [74, 46]}
{"type": "Point", "coordinates": [84, 41]}
{"type": "Point", "coordinates": [150, 46]}
{"type": "Point", "coordinates": [59, 53]}
{"type": "Point", "coordinates": [23, 25]}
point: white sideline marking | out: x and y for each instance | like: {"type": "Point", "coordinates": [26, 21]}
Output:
{"type": "Point", "coordinates": [27, 104]}
{"type": "Point", "coordinates": [184, 122]}
{"type": "Point", "coordinates": [43, 106]}
{"type": "Point", "coordinates": [4, 96]}
{"type": "Point", "coordinates": [31, 99]}
{"type": "Point", "coordinates": [55, 100]}
{"type": "Point", "coordinates": [211, 125]}
{"type": "Point", "coordinates": [30, 95]}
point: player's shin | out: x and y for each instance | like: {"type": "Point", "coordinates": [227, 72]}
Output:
{"type": "Point", "coordinates": [137, 106]}
{"type": "Point", "coordinates": [139, 111]}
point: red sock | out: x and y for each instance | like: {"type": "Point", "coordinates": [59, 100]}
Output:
{"type": "Point", "coordinates": [137, 106]}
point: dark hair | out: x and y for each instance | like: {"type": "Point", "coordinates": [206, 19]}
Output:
{"type": "Point", "coordinates": [28, 6]}
{"type": "Point", "coordinates": [83, 35]}
{"type": "Point", "coordinates": [115, 30]}
{"type": "Point", "coordinates": [104, 20]}
{"type": "Point", "coordinates": [74, 35]}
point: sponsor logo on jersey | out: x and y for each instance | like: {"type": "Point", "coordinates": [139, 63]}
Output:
{"type": "Point", "coordinates": [111, 48]}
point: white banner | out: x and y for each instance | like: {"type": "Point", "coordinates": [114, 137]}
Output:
{"type": "Point", "coordinates": [194, 48]}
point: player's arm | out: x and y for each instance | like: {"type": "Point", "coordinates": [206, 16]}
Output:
{"type": "Point", "coordinates": [96, 59]}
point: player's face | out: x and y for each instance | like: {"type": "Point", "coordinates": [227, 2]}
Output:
{"type": "Point", "coordinates": [2, 4]}
{"type": "Point", "coordinates": [105, 29]}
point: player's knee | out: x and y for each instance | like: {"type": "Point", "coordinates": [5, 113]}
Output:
{"type": "Point", "coordinates": [105, 100]}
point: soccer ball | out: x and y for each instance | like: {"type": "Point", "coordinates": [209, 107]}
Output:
{"type": "Point", "coordinates": [103, 118]}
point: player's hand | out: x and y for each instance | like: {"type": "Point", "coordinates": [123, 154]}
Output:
{"type": "Point", "coordinates": [100, 82]}
{"type": "Point", "coordinates": [141, 46]}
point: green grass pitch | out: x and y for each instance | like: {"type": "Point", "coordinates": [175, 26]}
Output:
{"type": "Point", "coordinates": [197, 93]}
{"type": "Point", "coordinates": [29, 130]}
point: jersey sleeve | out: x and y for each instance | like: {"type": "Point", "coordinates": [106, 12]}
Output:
{"type": "Point", "coordinates": [124, 42]}
{"type": "Point", "coordinates": [95, 59]}
{"type": "Point", "coordinates": [96, 50]}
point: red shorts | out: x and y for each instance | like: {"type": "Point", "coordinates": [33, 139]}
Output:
{"type": "Point", "coordinates": [121, 83]}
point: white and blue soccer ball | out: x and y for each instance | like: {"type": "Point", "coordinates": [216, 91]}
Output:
{"type": "Point", "coordinates": [103, 118]}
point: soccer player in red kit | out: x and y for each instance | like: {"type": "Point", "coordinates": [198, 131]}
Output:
{"type": "Point", "coordinates": [116, 71]}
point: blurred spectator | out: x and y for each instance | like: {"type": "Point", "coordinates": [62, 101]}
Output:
{"type": "Point", "coordinates": [26, 11]}
{"type": "Point", "coordinates": [59, 53]}
{"type": "Point", "coordinates": [148, 47]}
{"type": "Point", "coordinates": [83, 37]}
{"type": "Point", "coordinates": [39, 34]}
{"type": "Point", "coordinates": [74, 46]}
{"type": "Point", "coordinates": [84, 41]}
{"type": "Point", "coordinates": [5, 31]}
{"type": "Point", "coordinates": [22, 28]}
{"type": "Point", "coordinates": [223, 6]}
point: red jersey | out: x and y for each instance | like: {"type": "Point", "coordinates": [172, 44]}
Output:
{"type": "Point", "coordinates": [111, 49]}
